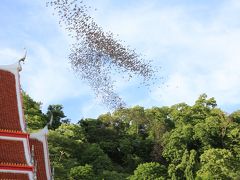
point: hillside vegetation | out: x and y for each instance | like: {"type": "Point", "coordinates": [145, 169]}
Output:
{"type": "Point", "coordinates": [177, 142]}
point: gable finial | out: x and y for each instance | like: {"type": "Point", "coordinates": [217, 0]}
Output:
{"type": "Point", "coordinates": [49, 124]}
{"type": "Point", "coordinates": [32, 155]}
{"type": "Point", "coordinates": [22, 59]}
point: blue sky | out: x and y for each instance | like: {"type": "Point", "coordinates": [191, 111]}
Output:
{"type": "Point", "coordinates": [196, 43]}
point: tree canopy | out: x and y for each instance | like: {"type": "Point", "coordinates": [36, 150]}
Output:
{"type": "Point", "coordinates": [177, 142]}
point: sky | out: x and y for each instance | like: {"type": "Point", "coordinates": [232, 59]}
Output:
{"type": "Point", "coordinates": [196, 44]}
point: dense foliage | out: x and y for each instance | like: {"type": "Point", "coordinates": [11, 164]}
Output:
{"type": "Point", "coordinates": [178, 142]}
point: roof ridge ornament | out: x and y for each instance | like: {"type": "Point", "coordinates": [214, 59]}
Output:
{"type": "Point", "coordinates": [35, 170]}
{"type": "Point", "coordinates": [49, 124]}
{"type": "Point", "coordinates": [33, 155]}
{"type": "Point", "coordinates": [22, 60]}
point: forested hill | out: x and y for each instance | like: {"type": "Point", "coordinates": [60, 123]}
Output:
{"type": "Point", "coordinates": [177, 142]}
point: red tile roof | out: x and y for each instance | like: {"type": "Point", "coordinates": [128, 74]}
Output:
{"type": "Point", "coordinates": [39, 157]}
{"type": "Point", "coordinates": [13, 176]}
{"type": "Point", "coordinates": [16, 167]}
{"type": "Point", "coordinates": [12, 152]}
{"type": "Point", "coordinates": [9, 116]}
{"type": "Point", "coordinates": [13, 133]}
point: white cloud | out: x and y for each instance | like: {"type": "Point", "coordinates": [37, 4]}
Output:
{"type": "Point", "coordinates": [9, 56]}
{"type": "Point", "coordinates": [92, 109]}
{"type": "Point", "coordinates": [48, 78]}
{"type": "Point", "coordinates": [200, 55]}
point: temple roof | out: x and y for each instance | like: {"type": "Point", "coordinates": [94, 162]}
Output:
{"type": "Point", "coordinates": [39, 159]}
{"type": "Point", "coordinates": [13, 176]}
{"type": "Point", "coordinates": [39, 141]}
{"type": "Point", "coordinates": [16, 161]}
{"type": "Point", "coordinates": [11, 112]}
{"type": "Point", "coordinates": [12, 152]}
{"type": "Point", "coordinates": [9, 117]}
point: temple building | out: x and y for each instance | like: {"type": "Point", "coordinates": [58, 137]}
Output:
{"type": "Point", "coordinates": [23, 156]}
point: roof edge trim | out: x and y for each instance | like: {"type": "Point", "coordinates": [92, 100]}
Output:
{"type": "Point", "coordinates": [13, 68]}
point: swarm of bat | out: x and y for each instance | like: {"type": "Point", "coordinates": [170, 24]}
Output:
{"type": "Point", "coordinates": [95, 54]}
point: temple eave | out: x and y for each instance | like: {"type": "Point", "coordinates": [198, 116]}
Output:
{"type": "Point", "coordinates": [13, 133]}
{"type": "Point", "coordinates": [23, 156]}
{"type": "Point", "coordinates": [17, 167]}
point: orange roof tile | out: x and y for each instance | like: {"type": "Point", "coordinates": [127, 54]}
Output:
{"type": "Point", "coordinates": [15, 166]}
{"type": "Point", "coordinates": [13, 133]}
{"type": "Point", "coordinates": [9, 115]}
{"type": "Point", "coordinates": [13, 176]}
{"type": "Point", "coordinates": [12, 152]}
{"type": "Point", "coordinates": [39, 157]}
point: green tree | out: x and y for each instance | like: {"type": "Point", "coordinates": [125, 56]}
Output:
{"type": "Point", "coordinates": [93, 155]}
{"type": "Point", "coordinates": [211, 132]}
{"type": "Point", "coordinates": [71, 131]}
{"type": "Point", "coordinates": [159, 123]}
{"type": "Point", "coordinates": [150, 171]}
{"type": "Point", "coordinates": [202, 108]}
{"type": "Point", "coordinates": [232, 140]}
{"type": "Point", "coordinates": [113, 175]}
{"type": "Point", "coordinates": [63, 154]}
{"type": "Point", "coordinates": [34, 116]}
{"type": "Point", "coordinates": [235, 116]}
{"type": "Point", "coordinates": [176, 142]}
{"type": "Point", "coordinates": [187, 167]}
{"type": "Point", "coordinates": [197, 128]}
{"type": "Point", "coordinates": [56, 112]}
{"type": "Point", "coordinates": [199, 141]}
{"type": "Point", "coordinates": [82, 173]}
{"type": "Point", "coordinates": [218, 164]}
